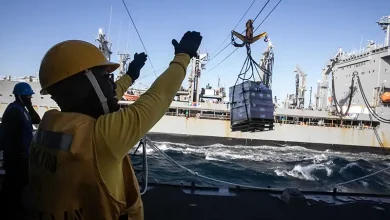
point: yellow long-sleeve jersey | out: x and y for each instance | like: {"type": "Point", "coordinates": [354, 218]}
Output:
{"type": "Point", "coordinates": [116, 133]}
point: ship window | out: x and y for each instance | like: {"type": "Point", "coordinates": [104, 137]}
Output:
{"type": "Point", "coordinates": [41, 97]}
{"type": "Point", "coordinates": [373, 70]}
{"type": "Point", "coordinates": [369, 71]}
{"type": "Point", "coordinates": [385, 70]}
{"type": "Point", "coordinates": [374, 61]}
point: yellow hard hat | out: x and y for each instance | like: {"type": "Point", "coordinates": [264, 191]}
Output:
{"type": "Point", "coordinates": [69, 58]}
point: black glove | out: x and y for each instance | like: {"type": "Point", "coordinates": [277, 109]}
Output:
{"type": "Point", "coordinates": [189, 43]}
{"type": "Point", "coordinates": [136, 65]}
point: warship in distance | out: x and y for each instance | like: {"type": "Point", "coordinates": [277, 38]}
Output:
{"type": "Point", "coordinates": [350, 118]}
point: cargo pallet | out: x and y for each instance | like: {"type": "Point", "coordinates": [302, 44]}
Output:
{"type": "Point", "coordinates": [253, 125]}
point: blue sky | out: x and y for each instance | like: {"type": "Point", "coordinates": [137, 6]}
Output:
{"type": "Point", "coordinates": [303, 32]}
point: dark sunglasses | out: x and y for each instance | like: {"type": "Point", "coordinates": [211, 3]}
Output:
{"type": "Point", "coordinates": [109, 76]}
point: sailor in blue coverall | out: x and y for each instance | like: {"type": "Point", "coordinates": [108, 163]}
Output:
{"type": "Point", "coordinates": [16, 133]}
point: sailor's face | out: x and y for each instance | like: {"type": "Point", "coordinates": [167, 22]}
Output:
{"type": "Point", "coordinates": [26, 98]}
{"type": "Point", "coordinates": [108, 86]}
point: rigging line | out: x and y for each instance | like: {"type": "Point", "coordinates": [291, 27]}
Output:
{"type": "Point", "coordinates": [223, 60]}
{"type": "Point", "coordinates": [234, 87]}
{"type": "Point", "coordinates": [135, 27]}
{"type": "Point", "coordinates": [220, 50]}
{"type": "Point", "coordinates": [254, 31]}
{"type": "Point", "coordinates": [146, 75]}
{"type": "Point", "coordinates": [370, 109]}
{"type": "Point", "coordinates": [261, 11]}
{"type": "Point", "coordinates": [145, 174]}
{"type": "Point", "coordinates": [268, 15]}
{"type": "Point", "coordinates": [341, 114]}
{"type": "Point", "coordinates": [236, 27]}
{"type": "Point", "coordinates": [158, 150]}
{"type": "Point", "coordinates": [230, 34]}
{"type": "Point", "coordinates": [378, 137]}
{"type": "Point", "coordinates": [363, 177]}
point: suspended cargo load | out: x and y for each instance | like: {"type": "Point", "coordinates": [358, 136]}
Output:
{"type": "Point", "coordinates": [251, 107]}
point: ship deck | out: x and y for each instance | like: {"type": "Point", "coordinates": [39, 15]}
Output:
{"type": "Point", "coordinates": [174, 202]}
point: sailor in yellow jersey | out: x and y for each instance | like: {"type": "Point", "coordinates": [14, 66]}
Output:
{"type": "Point", "coordinates": [79, 167]}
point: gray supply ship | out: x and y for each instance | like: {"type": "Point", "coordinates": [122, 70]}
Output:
{"type": "Point", "coordinates": [352, 118]}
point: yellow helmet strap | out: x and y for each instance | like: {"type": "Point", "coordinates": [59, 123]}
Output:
{"type": "Point", "coordinates": [98, 90]}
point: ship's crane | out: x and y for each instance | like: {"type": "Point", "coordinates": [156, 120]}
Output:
{"type": "Point", "coordinates": [123, 58]}
{"type": "Point", "coordinates": [266, 64]}
{"type": "Point", "coordinates": [323, 86]}
{"type": "Point", "coordinates": [310, 107]}
{"type": "Point", "coordinates": [300, 88]}
{"type": "Point", "coordinates": [197, 65]}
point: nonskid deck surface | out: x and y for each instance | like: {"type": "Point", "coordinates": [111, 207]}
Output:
{"type": "Point", "coordinates": [175, 202]}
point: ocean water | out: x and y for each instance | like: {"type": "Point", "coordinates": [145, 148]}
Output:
{"type": "Point", "coordinates": [269, 166]}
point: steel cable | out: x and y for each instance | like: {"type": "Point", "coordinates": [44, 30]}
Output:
{"type": "Point", "coordinates": [154, 147]}
{"type": "Point", "coordinates": [135, 27]}
{"type": "Point", "coordinates": [229, 33]}
{"type": "Point", "coordinates": [268, 15]}
{"type": "Point", "coordinates": [254, 31]}
{"type": "Point", "coordinates": [363, 177]}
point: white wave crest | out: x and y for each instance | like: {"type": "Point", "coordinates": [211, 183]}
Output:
{"type": "Point", "coordinates": [211, 157]}
{"type": "Point", "coordinates": [265, 152]}
{"type": "Point", "coordinates": [304, 172]}
{"type": "Point", "coordinates": [346, 167]}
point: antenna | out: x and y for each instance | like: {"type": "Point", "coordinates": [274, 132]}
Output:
{"type": "Point", "coordinates": [128, 36]}
{"type": "Point", "coordinates": [119, 37]}
{"type": "Point", "coordinates": [109, 25]}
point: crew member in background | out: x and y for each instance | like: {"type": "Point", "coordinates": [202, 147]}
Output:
{"type": "Point", "coordinates": [79, 164]}
{"type": "Point", "coordinates": [16, 133]}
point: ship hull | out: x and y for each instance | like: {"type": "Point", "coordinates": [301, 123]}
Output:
{"type": "Point", "coordinates": [207, 132]}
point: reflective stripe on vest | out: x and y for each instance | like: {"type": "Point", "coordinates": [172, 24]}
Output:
{"type": "Point", "coordinates": [64, 179]}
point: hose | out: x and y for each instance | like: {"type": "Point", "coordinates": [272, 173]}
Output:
{"type": "Point", "coordinates": [350, 96]}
